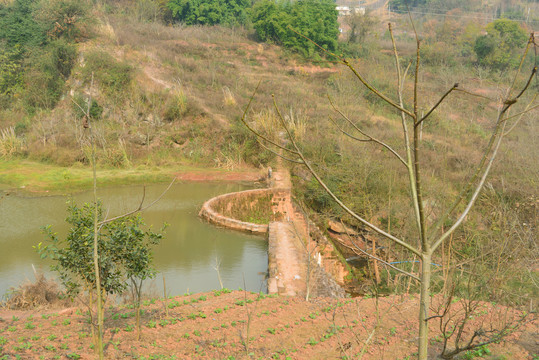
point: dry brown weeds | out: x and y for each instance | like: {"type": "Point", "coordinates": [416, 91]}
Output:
{"type": "Point", "coordinates": [42, 293]}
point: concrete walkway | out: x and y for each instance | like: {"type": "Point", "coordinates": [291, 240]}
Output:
{"type": "Point", "coordinates": [293, 257]}
{"type": "Point", "coordinates": [287, 271]}
{"type": "Point", "coordinates": [293, 265]}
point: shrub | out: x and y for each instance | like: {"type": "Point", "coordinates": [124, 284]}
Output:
{"type": "Point", "coordinates": [63, 56]}
{"type": "Point", "coordinates": [403, 5]}
{"type": "Point", "coordinates": [175, 107]}
{"type": "Point", "coordinates": [63, 19]}
{"type": "Point", "coordinates": [113, 76]}
{"type": "Point", "coordinates": [209, 12]}
{"type": "Point", "coordinates": [150, 10]}
{"type": "Point", "coordinates": [18, 26]}
{"type": "Point", "coordinates": [11, 74]}
{"type": "Point", "coordinates": [123, 246]}
{"type": "Point", "coordinates": [43, 82]}
{"type": "Point", "coordinates": [10, 143]}
{"type": "Point", "coordinates": [437, 55]}
{"type": "Point", "coordinates": [35, 53]}
{"type": "Point", "coordinates": [498, 48]}
{"type": "Point", "coordinates": [42, 292]}
{"type": "Point", "coordinates": [80, 106]}
{"type": "Point", "coordinates": [315, 19]}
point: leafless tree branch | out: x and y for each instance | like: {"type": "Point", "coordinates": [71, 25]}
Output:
{"type": "Point", "coordinates": [381, 260]}
{"type": "Point", "coordinates": [276, 153]}
{"type": "Point", "coordinates": [437, 104]}
{"type": "Point", "coordinates": [520, 115]}
{"type": "Point", "coordinates": [369, 138]}
{"type": "Point", "coordinates": [334, 197]}
{"type": "Point", "coordinates": [140, 208]}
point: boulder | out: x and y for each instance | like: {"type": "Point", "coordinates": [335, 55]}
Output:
{"type": "Point", "coordinates": [339, 228]}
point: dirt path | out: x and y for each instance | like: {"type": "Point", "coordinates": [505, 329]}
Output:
{"type": "Point", "coordinates": [288, 265]}
{"type": "Point", "coordinates": [290, 273]}
{"type": "Point", "coordinates": [219, 175]}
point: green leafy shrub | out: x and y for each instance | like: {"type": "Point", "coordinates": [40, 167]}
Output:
{"type": "Point", "coordinates": [123, 245]}
{"type": "Point", "coordinates": [26, 33]}
{"type": "Point", "coordinates": [314, 19]}
{"type": "Point", "coordinates": [175, 107]}
{"type": "Point", "coordinates": [436, 54]}
{"type": "Point", "coordinates": [209, 12]}
{"type": "Point", "coordinates": [11, 72]}
{"type": "Point", "coordinates": [498, 49]}
{"type": "Point", "coordinates": [402, 5]}
{"type": "Point", "coordinates": [18, 26]}
{"type": "Point", "coordinates": [36, 55]}
{"type": "Point", "coordinates": [43, 83]}
{"type": "Point", "coordinates": [80, 105]}
{"type": "Point", "coordinates": [63, 55]}
{"type": "Point", "coordinates": [46, 71]}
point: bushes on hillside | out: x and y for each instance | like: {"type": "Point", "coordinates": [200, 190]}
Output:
{"type": "Point", "coordinates": [18, 25]}
{"type": "Point", "coordinates": [498, 49]}
{"type": "Point", "coordinates": [210, 12]}
{"type": "Point", "coordinates": [315, 19]}
{"type": "Point", "coordinates": [65, 19]}
{"type": "Point", "coordinates": [36, 50]}
{"type": "Point", "coordinates": [274, 21]}
{"type": "Point", "coordinates": [10, 71]}
{"type": "Point", "coordinates": [46, 71]}
{"type": "Point", "coordinates": [112, 76]}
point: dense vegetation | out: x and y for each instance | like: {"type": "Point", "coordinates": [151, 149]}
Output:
{"type": "Point", "coordinates": [507, 9]}
{"type": "Point", "coordinates": [210, 12]}
{"type": "Point", "coordinates": [37, 50]}
{"type": "Point", "coordinates": [284, 22]}
{"type": "Point", "coordinates": [498, 49]}
{"type": "Point", "coordinates": [274, 21]}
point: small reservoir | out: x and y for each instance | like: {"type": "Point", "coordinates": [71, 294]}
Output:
{"type": "Point", "coordinates": [187, 256]}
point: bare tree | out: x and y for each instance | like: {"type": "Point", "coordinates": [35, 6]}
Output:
{"type": "Point", "coordinates": [429, 237]}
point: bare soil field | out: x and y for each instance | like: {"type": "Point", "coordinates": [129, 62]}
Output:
{"type": "Point", "coordinates": [238, 325]}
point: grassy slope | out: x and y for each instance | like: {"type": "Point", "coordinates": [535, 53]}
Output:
{"type": "Point", "coordinates": [213, 72]}
{"type": "Point", "coordinates": [40, 177]}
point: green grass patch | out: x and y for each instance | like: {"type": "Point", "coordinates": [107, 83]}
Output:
{"type": "Point", "coordinates": [39, 177]}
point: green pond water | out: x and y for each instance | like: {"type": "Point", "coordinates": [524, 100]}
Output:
{"type": "Point", "coordinates": [186, 256]}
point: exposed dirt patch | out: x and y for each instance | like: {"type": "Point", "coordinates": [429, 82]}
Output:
{"type": "Point", "coordinates": [214, 325]}
{"type": "Point", "coordinates": [216, 175]}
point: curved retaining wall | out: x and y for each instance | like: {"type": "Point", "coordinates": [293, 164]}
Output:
{"type": "Point", "coordinates": [324, 283]}
{"type": "Point", "coordinates": [208, 212]}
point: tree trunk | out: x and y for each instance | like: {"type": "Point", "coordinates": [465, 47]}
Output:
{"type": "Point", "coordinates": [375, 263]}
{"type": "Point", "coordinates": [99, 293]}
{"type": "Point", "coordinates": [424, 305]}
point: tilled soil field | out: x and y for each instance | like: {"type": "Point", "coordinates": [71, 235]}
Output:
{"type": "Point", "coordinates": [239, 325]}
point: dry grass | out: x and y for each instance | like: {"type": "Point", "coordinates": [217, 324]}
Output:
{"type": "Point", "coordinates": [42, 293]}
{"type": "Point", "coordinates": [10, 143]}
{"type": "Point", "coordinates": [228, 97]}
